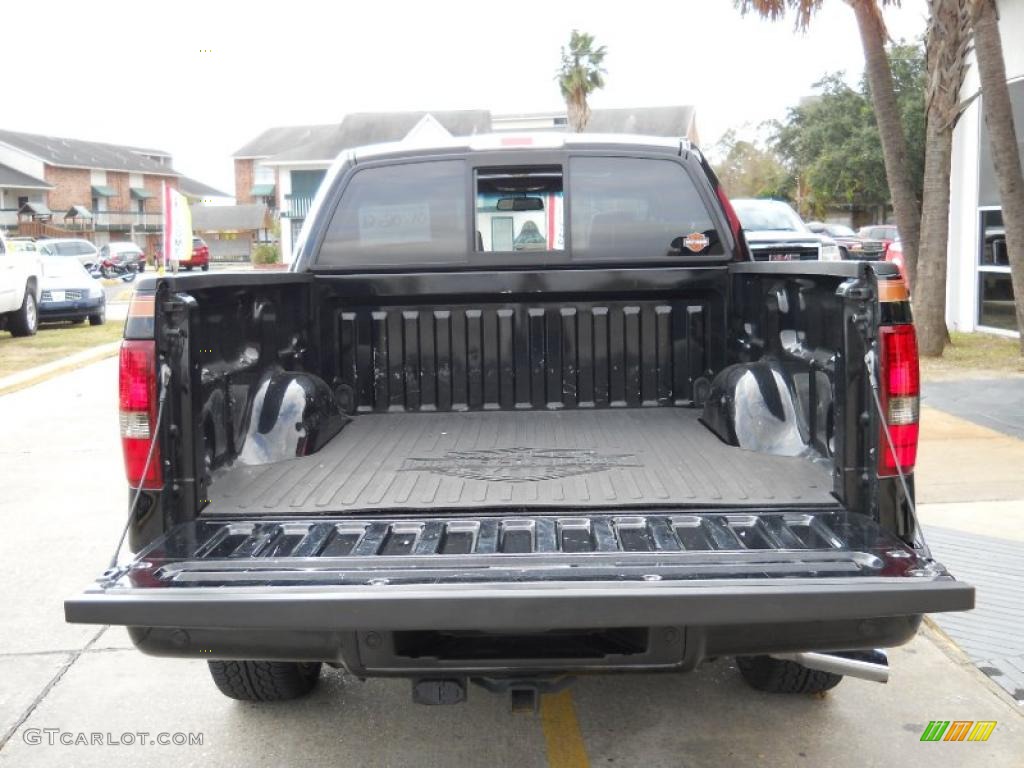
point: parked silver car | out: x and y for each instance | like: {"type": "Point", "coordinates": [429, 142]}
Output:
{"type": "Point", "coordinates": [83, 250]}
{"type": "Point", "coordinates": [70, 293]}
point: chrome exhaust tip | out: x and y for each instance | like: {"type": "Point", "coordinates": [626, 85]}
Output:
{"type": "Point", "coordinates": [868, 665]}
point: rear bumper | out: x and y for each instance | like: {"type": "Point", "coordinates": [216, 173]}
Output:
{"type": "Point", "coordinates": [412, 634]}
{"type": "Point", "coordinates": [407, 653]}
{"type": "Point", "coordinates": [70, 310]}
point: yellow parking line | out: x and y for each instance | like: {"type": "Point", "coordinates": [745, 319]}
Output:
{"type": "Point", "coordinates": [562, 732]}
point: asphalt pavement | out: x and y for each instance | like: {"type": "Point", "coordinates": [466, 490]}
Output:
{"type": "Point", "coordinates": [62, 505]}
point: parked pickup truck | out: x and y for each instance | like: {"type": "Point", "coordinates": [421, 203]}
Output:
{"type": "Point", "coordinates": [20, 274]}
{"type": "Point", "coordinates": [523, 407]}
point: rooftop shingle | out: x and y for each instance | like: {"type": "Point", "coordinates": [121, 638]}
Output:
{"type": "Point", "coordinates": [76, 153]}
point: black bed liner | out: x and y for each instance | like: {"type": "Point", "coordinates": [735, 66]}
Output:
{"type": "Point", "coordinates": [513, 459]}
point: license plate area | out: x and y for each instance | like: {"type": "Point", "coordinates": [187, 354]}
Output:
{"type": "Point", "coordinates": [469, 651]}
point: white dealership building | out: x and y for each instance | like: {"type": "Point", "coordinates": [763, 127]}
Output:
{"type": "Point", "coordinates": [979, 294]}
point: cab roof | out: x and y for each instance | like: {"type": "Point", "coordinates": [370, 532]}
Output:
{"type": "Point", "coordinates": [510, 141]}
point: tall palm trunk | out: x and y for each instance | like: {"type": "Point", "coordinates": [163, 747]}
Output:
{"type": "Point", "coordinates": [577, 111]}
{"type": "Point", "coordinates": [995, 102]}
{"type": "Point", "coordinates": [946, 47]}
{"type": "Point", "coordinates": [890, 128]}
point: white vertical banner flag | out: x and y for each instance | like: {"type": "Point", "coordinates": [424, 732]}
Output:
{"type": "Point", "coordinates": [177, 228]}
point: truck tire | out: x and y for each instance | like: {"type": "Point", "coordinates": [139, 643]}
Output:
{"type": "Point", "coordinates": [264, 680]}
{"type": "Point", "coordinates": [763, 673]}
{"type": "Point", "coordinates": [25, 321]}
{"type": "Point", "coordinates": [98, 318]}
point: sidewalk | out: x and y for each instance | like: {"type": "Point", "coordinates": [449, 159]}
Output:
{"type": "Point", "coordinates": [960, 461]}
{"type": "Point", "coordinates": [995, 403]}
{"type": "Point", "coordinates": [970, 488]}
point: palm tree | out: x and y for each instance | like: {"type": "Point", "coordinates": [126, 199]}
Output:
{"type": "Point", "coordinates": [580, 74]}
{"type": "Point", "coordinates": [883, 96]}
{"type": "Point", "coordinates": [946, 45]}
{"type": "Point", "coordinates": [995, 103]}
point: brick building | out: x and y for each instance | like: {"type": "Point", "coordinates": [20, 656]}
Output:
{"type": "Point", "coordinates": [118, 186]}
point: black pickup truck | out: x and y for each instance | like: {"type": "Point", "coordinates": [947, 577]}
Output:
{"type": "Point", "coordinates": [523, 407]}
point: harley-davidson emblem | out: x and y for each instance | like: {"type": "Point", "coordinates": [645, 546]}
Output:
{"type": "Point", "coordinates": [696, 241]}
{"type": "Point", "coordinates": [516, 465]}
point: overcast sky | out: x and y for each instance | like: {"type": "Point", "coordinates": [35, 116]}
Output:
{"type": "Point", "coordinates": [199, 79]}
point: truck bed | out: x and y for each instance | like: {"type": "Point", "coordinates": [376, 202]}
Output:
{"type": "Point", "coordinates": [514, 459]}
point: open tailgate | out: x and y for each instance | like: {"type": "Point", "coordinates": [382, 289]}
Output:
{"type": "Point", "coordinates": [529, 571]}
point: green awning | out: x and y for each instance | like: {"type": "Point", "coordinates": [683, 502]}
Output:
{"type": "Point", "coordinates": [34, 209]}
{"type": "Point", "coordinates": [262, 190]}
{"type": "Point", "coordinates": [101, 191]}
{"type": "Point", "coordinates": [141, 194]}
{"type": "Point", "coordinates": [78, 212]}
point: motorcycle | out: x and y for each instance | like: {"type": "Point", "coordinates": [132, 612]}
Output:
{"type": "Point", "coordinates": [125, 272]}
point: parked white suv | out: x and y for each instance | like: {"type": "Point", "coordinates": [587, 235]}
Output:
{"type": "Point", "coordinates": [19, 290]}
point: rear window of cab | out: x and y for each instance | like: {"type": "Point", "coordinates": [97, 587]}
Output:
{"type": "Point", "coordinates": [591, 209]}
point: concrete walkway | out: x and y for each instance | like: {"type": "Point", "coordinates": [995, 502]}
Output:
{"type": "Point", "coordinates": [970, 489]}
{"type": "Point", "coordinates": [961, 461]}
{"type": "Point", "coordinates": [994, 403]}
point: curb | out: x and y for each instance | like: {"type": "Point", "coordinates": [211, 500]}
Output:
{"type": "Point", "coordinates": [40, 373]}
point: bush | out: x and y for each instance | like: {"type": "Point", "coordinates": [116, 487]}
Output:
{"type": "Point", "coordinates": [266, 253]}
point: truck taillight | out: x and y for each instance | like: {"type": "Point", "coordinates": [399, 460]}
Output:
{"type": "Point", "coordinates": [900, 396]}
{"type": "Point", "coordinates": [138, 411]}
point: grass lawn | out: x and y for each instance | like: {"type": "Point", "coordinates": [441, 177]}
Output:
{"type": "Point", "coordinates": [975, 355]}
{"type": "Point", "coordinates": [53, 342]}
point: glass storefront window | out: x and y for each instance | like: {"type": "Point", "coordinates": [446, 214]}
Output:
{"type": "Point", "coordinates": [995, 291]}
{"type": "Point", "coordinates": [995, 301]}
{"type": "Point", "coordinates": [993, 240]}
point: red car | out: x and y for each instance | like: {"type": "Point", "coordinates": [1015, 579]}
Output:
{"type": "Point", "coordinates": [200, 256]}
{"type": "Point", "coordinates": [887, 233]}
{"type": "Point", "coordinates": [894, 253]}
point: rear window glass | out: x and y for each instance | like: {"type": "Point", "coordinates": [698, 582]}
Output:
{"type": "Point", "coordinates": [519, 209]}
{"type": "Point", "coordinates": [636, 209]}
{"type": "Point", "coordinates": [400, 215]}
